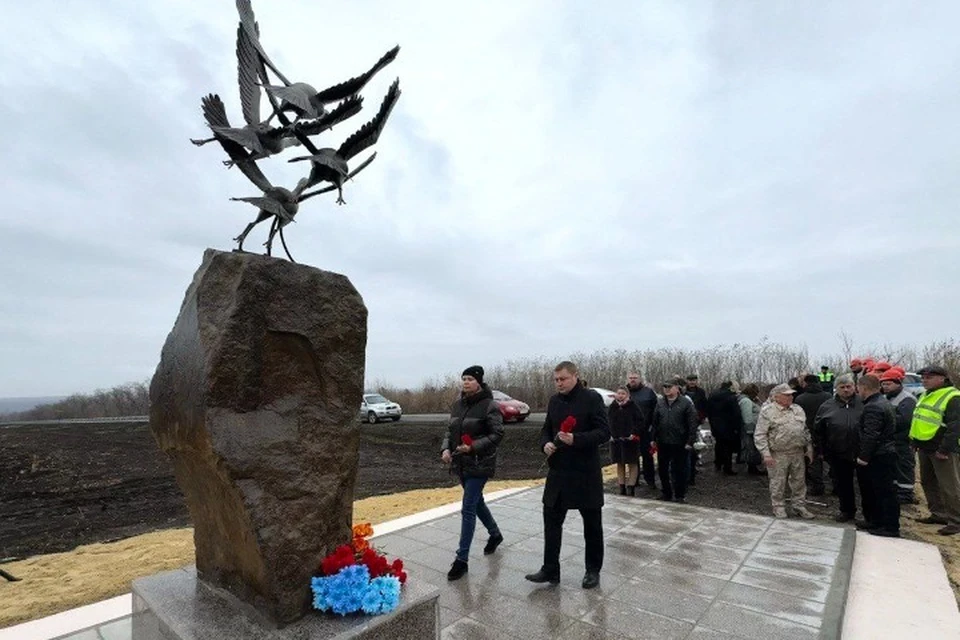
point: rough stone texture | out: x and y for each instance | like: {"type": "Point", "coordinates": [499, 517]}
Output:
{"type": "Point", "coordinates": [255, 400]}
{"type": "Point", "coordinates": [174, 605]}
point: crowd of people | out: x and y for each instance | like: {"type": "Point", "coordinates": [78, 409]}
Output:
{"type": "Point", "coordinates": [861, 429]}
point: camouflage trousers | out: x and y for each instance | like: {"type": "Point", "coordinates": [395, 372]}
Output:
{"type": "Point", "coordinates": [789, 471]}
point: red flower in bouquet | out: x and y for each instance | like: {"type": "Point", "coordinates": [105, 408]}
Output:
{"type": "Point", "coordinates": [343, 556]}
{"type": "Point", "coordinates": [361, 552]}
{"type": "Point", "coordinates": [635, 437]}
{"type": "Point", "coordinates": [653, 448]}
{"type": "Point", "coordinates": [397, 570]}
{"type": "Point", "coordinates": [466, 439]}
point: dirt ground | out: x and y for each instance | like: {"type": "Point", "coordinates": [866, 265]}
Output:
{"type": "Point", "coordinates": [64, 486]}
{"type": "Point", "coordinates": [76, 499]}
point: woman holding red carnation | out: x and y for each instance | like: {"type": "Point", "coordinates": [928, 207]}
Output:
{"type": "Point", "coordinates": [626, 427]}
{"type": "Point", "coordinates": [470, 448]}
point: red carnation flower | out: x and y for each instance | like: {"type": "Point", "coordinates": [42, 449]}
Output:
{"type": "Point", "coordinates": [568, 424]}
{"type": "Point", "coordinates": [467, 440]}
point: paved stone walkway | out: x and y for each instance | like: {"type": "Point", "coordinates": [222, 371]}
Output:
{"type": "Point", "coordinates": [670, 571]}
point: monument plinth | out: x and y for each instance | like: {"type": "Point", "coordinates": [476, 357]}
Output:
{"type": "Point", "coordinates": [255, 401]}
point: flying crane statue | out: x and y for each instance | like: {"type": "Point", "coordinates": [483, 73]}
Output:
{"type": "Point", "coordinates": [314, 112]}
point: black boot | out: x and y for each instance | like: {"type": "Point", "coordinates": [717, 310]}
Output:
{"type": "Point", "coordinates": [632, 490]}
{"type": "Point", "coordinates": [623, 489]}
{"type": "Point", "coordinates": [457, 570]}
{"type": "Point", "coordinates": [542, 576]}
{"type": "Point", "coordinates": [492, 544]}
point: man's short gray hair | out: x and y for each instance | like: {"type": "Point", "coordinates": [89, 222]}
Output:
{"type": "Point", "coordinates": [845, 378]}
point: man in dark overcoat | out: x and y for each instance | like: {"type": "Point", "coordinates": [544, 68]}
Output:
{"type": "Point", "coordinates": [575, 427]}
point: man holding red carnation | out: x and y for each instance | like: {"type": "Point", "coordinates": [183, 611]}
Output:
{"type": "Point", "coordinates": [575, 427]}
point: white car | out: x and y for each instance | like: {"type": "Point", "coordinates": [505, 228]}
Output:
{"type": "Point", "coordinates": [607, 395]}
{"type": "Point", "coordinates": [913, 383]}
{"type": "Point", "coordinates": [375, 408]}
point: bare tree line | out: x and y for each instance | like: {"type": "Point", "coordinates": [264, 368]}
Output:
{"type": "Point", "coordinates": [130, 399]}
{"type": "Point", "coordinates": [531, 379]}
{"type": "Point", "coordinates": [765, 363]}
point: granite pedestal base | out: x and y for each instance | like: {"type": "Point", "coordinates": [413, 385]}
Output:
{"type": "Point", "coordinates": [175, 605]}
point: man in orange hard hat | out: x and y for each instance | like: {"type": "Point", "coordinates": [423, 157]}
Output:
{"type": "Point", "coordinates": [880, 367]}
{"type": "Point", "coordinates": [891, 383]}
{"type": "Point", "coordinates": [856, 368]}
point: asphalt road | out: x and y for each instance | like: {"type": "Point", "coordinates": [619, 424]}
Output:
{"type": "Point", "coordinates": [434, 418]}
{"type": "Point", "coordinates": [412, 418]}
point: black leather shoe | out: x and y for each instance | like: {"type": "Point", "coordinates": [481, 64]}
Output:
{"type": "Point", "coordinates": [884, 533]}
{"type": "Point", "coordinates": [665, 498]}
{"type": "Point", "coordinates": [843, 517]}
{"type": "Point", "coordinates": [863, 525]}
{"type": "Point", "coordinates": [457, 570]}
{"type": "Point", "coordinates": [591, 580]}
{"type": "Point", "coordinates": [542, 576]}
{"type": "Point", "coordinates": [492, 544]}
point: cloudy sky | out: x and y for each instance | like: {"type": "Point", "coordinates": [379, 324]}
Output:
{"type": "Point", "coordinates": [558, 176]}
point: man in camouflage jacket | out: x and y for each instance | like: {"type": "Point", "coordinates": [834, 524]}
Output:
{"type": "Point", "coordinates": [782, 438]}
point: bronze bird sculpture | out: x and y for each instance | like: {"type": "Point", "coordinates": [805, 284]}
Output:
{"type": "Point", "coordinates": [276, 202]}
{"type": "Point", "coordinates": [313, 112]}
{"type": "Point", "coordinates": [259, 137]}
{"type": "Point", "coordinates": [330, 165]}
{"type": "Point", "coordinates": [306, 102]}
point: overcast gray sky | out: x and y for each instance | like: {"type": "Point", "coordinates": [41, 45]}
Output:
{"type": "Point", "coordinates": [558, 176]}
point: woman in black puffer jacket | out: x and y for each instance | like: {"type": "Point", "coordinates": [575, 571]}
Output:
{"type": "Point", "coordinates": [470, 448]}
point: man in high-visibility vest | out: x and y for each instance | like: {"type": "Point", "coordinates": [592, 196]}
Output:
{"type": "Point", "coordinates": [935, 433]}
{"type": "Point", "coordinates": [826, 379]}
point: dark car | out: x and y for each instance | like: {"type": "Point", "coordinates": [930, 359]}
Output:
{"type": "Point", "coordinates": [511, 410]}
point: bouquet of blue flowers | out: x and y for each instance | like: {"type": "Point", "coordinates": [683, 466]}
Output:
{"type": "Point", "coordinates": [356, 578]}
{"type": "Point", "coordinates": [351, 590]}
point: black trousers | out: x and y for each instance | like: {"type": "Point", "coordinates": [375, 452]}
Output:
{"type": "Point", "coordinates": [553, 518]}
{"type": "Point", "coordinates": [814, 473]}
{"type": "Point", "coordinates": [878, 492]}
{"type": "Point", "coordinates": [723, 451]}
{"type": "Point", "coordinates": [674, 460]}
{"type": "Point", "coordinates": [649, 472]}
{"type": "Point", "coordinates": [843, 474]}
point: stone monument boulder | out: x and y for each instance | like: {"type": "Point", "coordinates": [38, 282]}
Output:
{"type": "Point", "coordinates": [256, 402]}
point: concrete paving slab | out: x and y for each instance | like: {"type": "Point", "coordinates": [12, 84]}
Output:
{"type": "Point", "coordinates": [671, 571]}
{"type": "Point", "coordinates": [899, 589]}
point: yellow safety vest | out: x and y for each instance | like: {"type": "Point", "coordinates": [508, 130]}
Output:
{"type": "Point", "coordinates": [826, 377]}
{"type": "Point", "coordinates": [928, 414]}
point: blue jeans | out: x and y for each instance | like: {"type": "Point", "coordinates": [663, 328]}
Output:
{"type": "Point", "coordinates": [473, 507]}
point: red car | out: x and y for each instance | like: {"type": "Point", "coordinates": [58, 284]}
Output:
{"type": "Point", "coordinates": [511, 410]}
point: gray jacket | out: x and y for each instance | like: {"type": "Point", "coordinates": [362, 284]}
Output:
{"type": "Point", "coordinates": [749, 411]}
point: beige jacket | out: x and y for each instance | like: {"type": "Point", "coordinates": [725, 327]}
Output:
{"type": "Point", "coordinates": [781, 430]}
